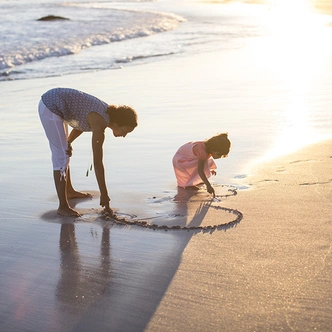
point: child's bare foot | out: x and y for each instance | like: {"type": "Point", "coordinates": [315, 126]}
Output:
{"type": "Point", "coordinates": [68, 212]}
{"type": "Point", "coordinates": [77, 194]}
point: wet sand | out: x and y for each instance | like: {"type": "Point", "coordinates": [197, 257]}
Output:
{"type": "Point", "coordinates": [269, 269]}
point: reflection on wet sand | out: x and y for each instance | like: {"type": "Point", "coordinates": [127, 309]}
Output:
{"type": "Point", "coordinates": [75, 283]}
{"type": "Point", "coordinates": [97, 291]}
{"type": "Point", "coordinates": [80, 282]}
{"type": "Point", "coordinates": [124, 296]}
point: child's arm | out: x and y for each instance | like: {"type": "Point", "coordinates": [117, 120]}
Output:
{"type": "Point", "coordinates": [201, 173]}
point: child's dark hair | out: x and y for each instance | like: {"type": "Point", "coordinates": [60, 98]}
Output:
{"type": "Point", "coordinates": [219, 143]}
{"type": "Point", "coordinates": [122, 115]}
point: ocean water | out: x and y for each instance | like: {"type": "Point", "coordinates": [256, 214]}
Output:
{"type": "Point", "coordinates": [99, 35]}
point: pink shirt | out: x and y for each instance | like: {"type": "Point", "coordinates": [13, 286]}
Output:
{"type": "Point", "coordinates": [199, 150]}
{"type": "Point", "coordinates": [185, 163]}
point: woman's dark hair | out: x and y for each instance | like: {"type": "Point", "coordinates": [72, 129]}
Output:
{"type": "Point", "coordinates": [219, 143]}
{"type": "Point", "coordinates": [122, 115]}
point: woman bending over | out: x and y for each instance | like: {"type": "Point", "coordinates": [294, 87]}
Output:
{"type": "Point", "coordinates": [61, 107]}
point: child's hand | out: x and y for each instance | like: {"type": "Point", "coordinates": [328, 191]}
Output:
{"type": "Point", "coordinates": [213, 172]}
{"type": "Point", "coordinates": [210, 190]}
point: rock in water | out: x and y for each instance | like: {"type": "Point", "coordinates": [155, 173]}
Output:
{"type": "Point", "coordinates": [52, 18]}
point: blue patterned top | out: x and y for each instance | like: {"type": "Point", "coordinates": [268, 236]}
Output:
{"type": "Point", "coordinates": [73, 106]}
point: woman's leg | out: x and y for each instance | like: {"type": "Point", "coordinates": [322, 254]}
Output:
{"type": "Point", "coordinates": [56, 132]}
{"type": "Point", "coordinates": [71, 192]}
{"type": "Point", "coordinates": [61, 188]}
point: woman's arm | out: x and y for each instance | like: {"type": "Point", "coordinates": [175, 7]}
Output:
{"type": "Point", "coordinates": [98, 138]}
{"type": "Point", "coordinates": [98, 126]}
{"type": "Point", "coordinates": [201, 173]}
{"type": "Point", "coordinates": [73, 135]}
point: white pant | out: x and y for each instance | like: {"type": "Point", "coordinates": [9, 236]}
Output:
{"type": "Point", "coordinates": [56, 130]}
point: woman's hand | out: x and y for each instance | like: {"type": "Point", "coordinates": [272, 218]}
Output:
{"type": "Point", "coordinates": [69, 150]}
{"type": "Point", "coordinates": [105, 201]}
{"type": "Point", "coordinates": [210, 190]}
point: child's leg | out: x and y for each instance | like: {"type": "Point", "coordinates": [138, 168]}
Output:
{"type": "Point", "coordinates": [56, 132]}
{"type": "Point", "coordinates": [186, 173]}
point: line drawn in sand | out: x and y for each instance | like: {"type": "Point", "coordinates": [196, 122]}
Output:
{"type": "Point", "coordinates": [190, 205]}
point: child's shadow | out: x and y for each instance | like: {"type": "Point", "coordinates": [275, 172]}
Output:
{"type": "Point", "coordinates": [194, 212]}
{"type": "Point", "coordinates": [184, 195]}
{"type": "Point", "coordinates": [197, 210]}
{"type": "Point", "coordinates": [188, 209]}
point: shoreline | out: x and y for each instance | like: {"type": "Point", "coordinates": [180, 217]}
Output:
{"type": "Point", "coordinates": [163, 110]}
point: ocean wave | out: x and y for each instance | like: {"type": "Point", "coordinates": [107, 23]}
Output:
{"type": "Point", "coordinates": [85, 27]}
{"type": "Point", "coordinates": [128, 59]}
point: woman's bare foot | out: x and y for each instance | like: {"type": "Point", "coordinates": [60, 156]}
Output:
{"type": "Point", "coordinates": [68, 212]}
{"type": "Point", "coordinates": [77, 194]}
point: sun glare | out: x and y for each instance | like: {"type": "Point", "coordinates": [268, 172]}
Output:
{"type": "Point", "coordinates": [294, 6]}
{"type": "Point", "coordinates": [299, 52]}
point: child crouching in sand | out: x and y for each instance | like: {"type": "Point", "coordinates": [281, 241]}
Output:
{"type": "Point", "coordinates": [194, 161]}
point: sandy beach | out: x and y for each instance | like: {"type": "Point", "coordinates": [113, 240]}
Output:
{"type": "Point", "coordinates": [273, 271]}
{"type": "Point", "coordinates": [267, 270]}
